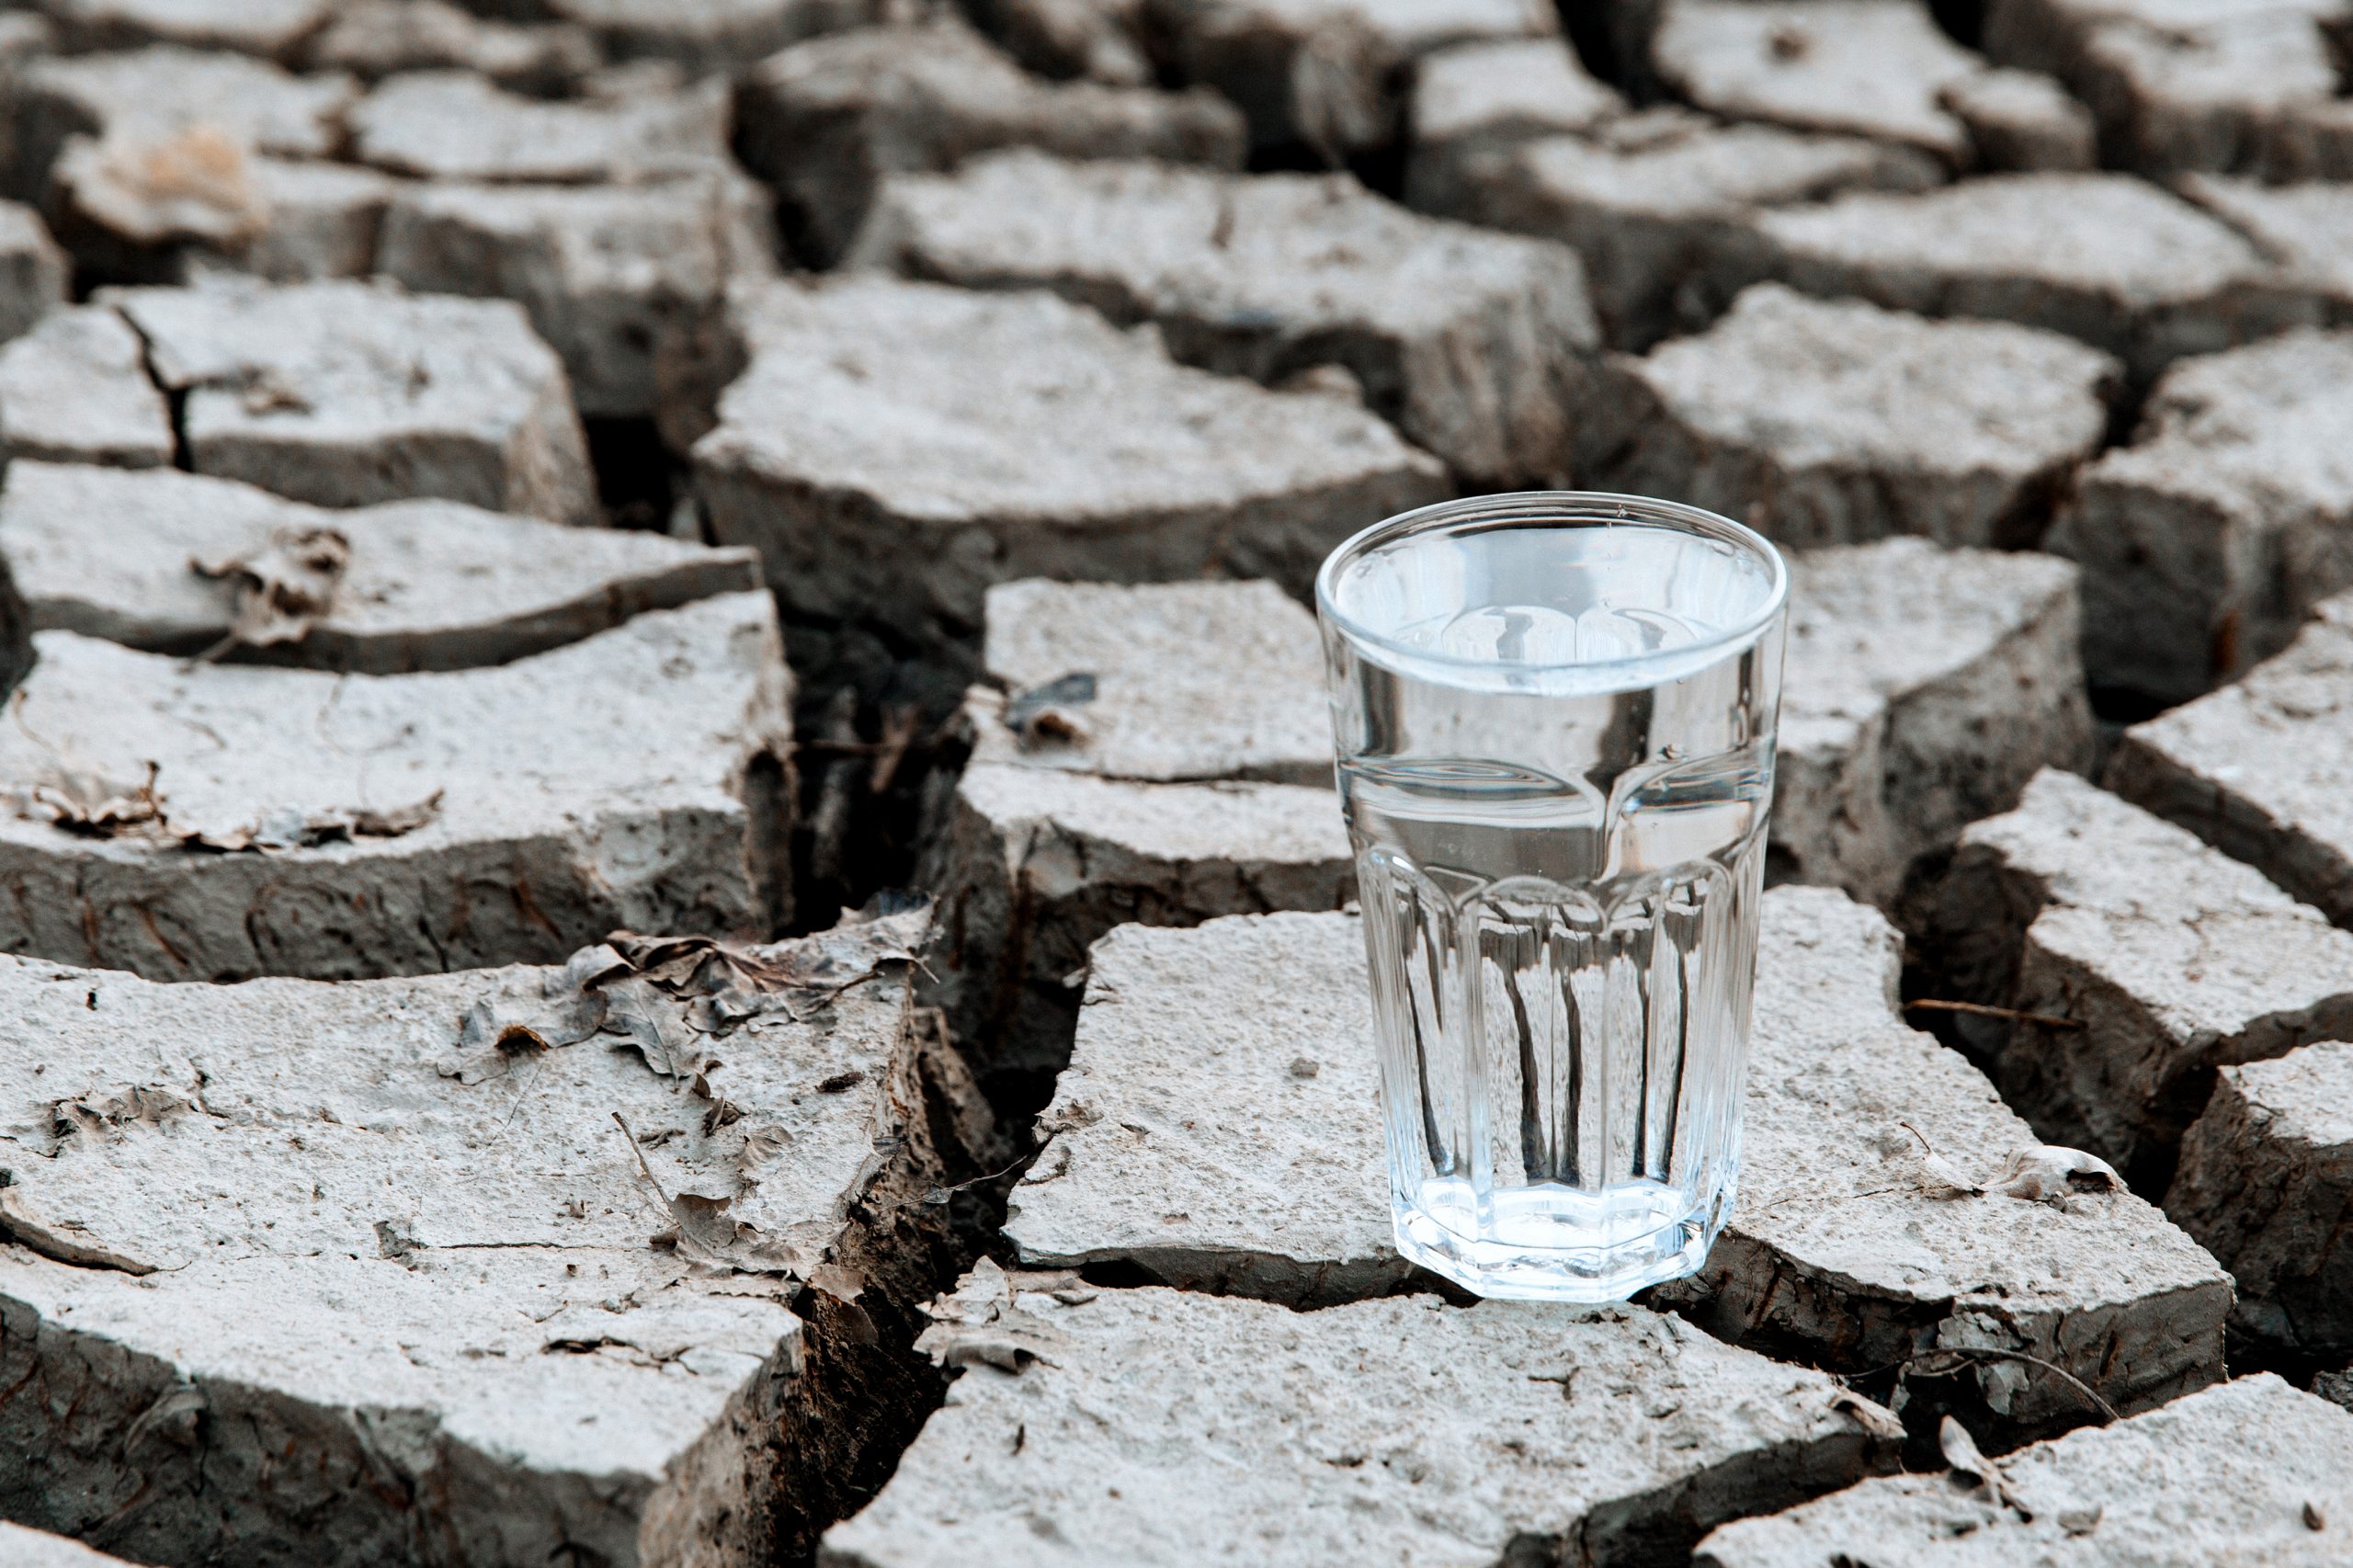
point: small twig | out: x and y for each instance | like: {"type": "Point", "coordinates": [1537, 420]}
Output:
{"type": "Point", "coordinates": [1984, 1010]}
{"type": "Point", "coordinates": [642, 1168]}
{"type": "Point", "coordinates": [1907, 1366]}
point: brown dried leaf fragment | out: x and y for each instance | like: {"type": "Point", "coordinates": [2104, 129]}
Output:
{"type": "Point", "coordinates": [86, 801]}
{"type": "Point", "coordinates": [194, 183]}
{"type": "Point", "coordinates": [2049, 1173]}
{"type": "Point", "coordinates": [1049, 715]}
{"type": "Point", "coordinates": [980, 1322]}
{"type": "Point", "coordinates": [282, 589]}
{"type": "Point", "coordinates": [102, 1112]}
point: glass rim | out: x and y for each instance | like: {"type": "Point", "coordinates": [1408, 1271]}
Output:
{"type": "Point", "coordinates": [1598, 507]}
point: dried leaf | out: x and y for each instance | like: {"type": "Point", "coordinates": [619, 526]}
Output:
{"type": "Point", "coordinates": [2047, 1172]}
{"type": "Point", "coordinates": [285, 827]}
{"type": "Point", "coordinates": [1939, 1177]}
{"type": "Point", "coordinates": [980, 1322]}
{"type": "Point", "coordinates": [194, 183]}
{"type": "Point", "coordinates": [837, 1280]}
{"type": "Point", "coordinates": [107, 1111]}
{"type": "Point", "coordinates": [1872, 1418]}
{"type": "Point", "coordinates": [760, 1144]}
{"type": "Point", "coordinates": [281, 589]}
{"type": "Point", "coordinates": [173, 1419]}
{"type": "Point", "coordinates": [1961, 1451]}
{"type": "Point", "coordinates": [87, 801]}
{"type": "Point", "coordinates": [491, 1036]}
{"type": "Point", "coordinates": [651, 1022]}
{"type": "Point", "coordinates": [707, 1232]}
{"type": "Point", "coordinates": [367, 822]}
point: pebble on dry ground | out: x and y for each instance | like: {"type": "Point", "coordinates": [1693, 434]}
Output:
{"type": "Point", "coordinates": [2266, 1184]}
{"type": "Point", "coordinates": [1218, 1128]}
{"type": "Point", "coordinates": [2208, 539]}
{"type": "Point", "coordinates": [220, 821]}
{"type": "Point", "coordinates": [425, 584]}
{"type": "Point", "coordinates": [2251, 1471]}
{"type": "Point", "coordinates": [344, 395]}
{"type": "Point", "coordinates": [1478, 347]}
{"type": "Point", "coordinates": [2146, 959]}
{"type": "Point", "coordinates": [1101, 1421]}
{"type": "Point", "coordinates": [1835, 422]}
{"type": "Point", "coordinates": [827, 121]}
{"type": "Point", "coordinates": [493, 1315]}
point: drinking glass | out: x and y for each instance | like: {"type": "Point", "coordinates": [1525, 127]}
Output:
{"type": "Point", "coordinates": [1554, 715]}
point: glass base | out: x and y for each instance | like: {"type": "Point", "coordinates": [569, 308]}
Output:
{"type": "Point", "coordinates": [1515, 1263]}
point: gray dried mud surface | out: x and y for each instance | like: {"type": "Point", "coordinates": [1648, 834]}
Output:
{"type": "Point", "coordinates": [1217, 1128]}
{"type": "Point", "coordinates": [2265, 1466]}
{"type": "Point", "coordinates": [295, 822]}
{"type": "Point", "coordinates": [1409, 1430]}
{"type": "Point", "coordinates": [430, 584]}
{"type": "Point", "coordinates": [469, 1337]}
{"type": "Point", "coordinates": [2160, 958]}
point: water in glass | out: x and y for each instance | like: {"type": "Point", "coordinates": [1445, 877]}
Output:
{"type": "Point", "coordinates": [1556, 761]}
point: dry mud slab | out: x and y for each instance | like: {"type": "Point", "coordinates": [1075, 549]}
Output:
{"type": "Point", "coordinates": [2023, 121]}
{"type": "Point", "coordinates": [33, 270]}
{"type": "Point", "coordinates": [896, 447]}
{"type": "Point", "coordinates": [76, 388]}
{"type": "Point", "coordinates": [709, 36]}
{"type": "Point", "coordinates": [2266, 1184]}
{"type": "Point", "coordinates": [1479, 97]}
{"type": "Point", "coordinates": [395, 1227]}
{"type": "Point", "coordinates": [1218, 1127]}
{"type": "Point", "coordinates": [1160, 753]}
{"type": "Point", "coordinates": [1094, 1425]}
{"type": "Point", "coordinates": [1924, 687]}
{"type": "Point", "coordinates": [2112, 260]}
{"type": "Point", "coordinates": [428, 584]}
{"type": "Point", "coordinates": [2257, 767]}
{"type": "Point", "coordinates": [1657, 203]}
{"type": "Point", "coordinates": [2193, 87]}
{"type": "Point", "coordinates": [1324, 74]}
{"type": "Point", "coordinates": [626, 282]}
{"type": "Point", "coordinates": [1833, 422]}
{"type": "Point", "coordinates": [219, 821]}
{"type": "Point", "coordinates": [375, 38]}
{"type": "Point", "coordinates": [274, 28]}
{"type": "Point", "coordinates": [1874, 68]}
{"type": "Point", "coordinates": [2207, 540]}
{"type": "Point", "coordinates": [2266, 1465]}
{"type": "Point", "coordinates": [2304, 230]}
{"type": "Point", "coordinates": [2161, 960]}
{"type": "Point", "coordinates": [149, 95]}
{"type": "Point", "coordinates": [456, 125]}
{"type": "Point", "coordinates": [342, 394]}
{"type": "Point", "coordinates": [827, 121]}
{"type": "Point", "coordinates": [1476, 345]}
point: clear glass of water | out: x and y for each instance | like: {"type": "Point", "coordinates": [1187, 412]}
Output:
{"type": "Point", "coordinates": [1555, 718]}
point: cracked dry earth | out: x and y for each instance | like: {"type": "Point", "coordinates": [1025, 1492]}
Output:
{"type": "Point", "coordinates": [669, 890]}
